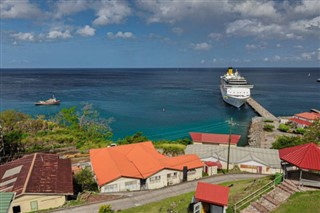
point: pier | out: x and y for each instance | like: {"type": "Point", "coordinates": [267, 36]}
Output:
{"type": "Point", "coordinates": [261, 110]}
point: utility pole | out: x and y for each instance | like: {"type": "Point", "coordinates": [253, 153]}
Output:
{"type": "Point", "coordinates": [231, 124]}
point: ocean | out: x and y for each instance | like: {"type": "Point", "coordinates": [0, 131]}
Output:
{"type": "Point", "coordinates": [161, 103]}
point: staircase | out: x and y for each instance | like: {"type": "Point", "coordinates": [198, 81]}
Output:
{"type": "Point", "coordinates": [273, 199]}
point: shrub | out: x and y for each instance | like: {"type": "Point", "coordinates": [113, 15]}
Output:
{"type": "Point", "coordinates": [105, 209]}
{"type": "Point", "coordinates": [268, 121]}
{"type": "Point", "coordinates": [283, 128]}
{"type": "Point", "coordinates": [300, 131]}
{"type": "Point", "coordinates": [268, 127]}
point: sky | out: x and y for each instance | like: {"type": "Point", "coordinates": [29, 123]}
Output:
{"type": "Point", "coordinates": [157, 34]}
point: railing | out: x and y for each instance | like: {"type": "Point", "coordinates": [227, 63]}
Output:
{"type": "Point", "coordinates": [244, 201]}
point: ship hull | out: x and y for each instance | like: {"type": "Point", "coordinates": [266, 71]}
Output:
{"type": "Point", "coordinates": [234, 101]}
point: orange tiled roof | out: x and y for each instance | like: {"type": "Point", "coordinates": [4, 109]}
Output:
{"type": "Point", "coordinates": [139, 160]}
{"type": "Point", "coordinates": [308, 115]}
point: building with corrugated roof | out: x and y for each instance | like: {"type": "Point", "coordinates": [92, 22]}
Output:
{"type": "Point", "coordinates": [140, 166]}
{"type": "Point", "coordinates": [40, 181]}
{"type": "Point", "coordinates": [253, 160]}
{"type": "Point", "coordinates": [214, 139]}
{"type": "Point", "coordinates": [304, 119]}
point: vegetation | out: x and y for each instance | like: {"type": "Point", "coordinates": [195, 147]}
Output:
{"type": "Point", "coordinates": [300, 131]}
{"type": "Point", "coordinates": [301, 202]}
{"type": "Point", "coordinates": [268, 121]}
{"type": "Point", "coordinates": [310, 134]}
{"type": "Point", "coordinates": [82, 129]}
{"type": "Point", "coordinates": [136, 138]}
{"type": "Point", "coordinates": [283, 128]}
{"type": "Point", "coordinates": [268, 127]}
{"type": "Point", "coordinates": [84, 181]}
{"type": "Point", "coordinates": [105, 209]}
{"type": "Point", "coordinates": [180, 203]}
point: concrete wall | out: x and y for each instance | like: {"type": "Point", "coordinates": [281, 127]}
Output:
{"type": "Point", "coordinates": [121, 184]}
{"type": "Point", "coordinates": [195, 174]}
{"type": "Point", "coordinates": [41, 201]}
{"type": "Point", "coordinates": [164, 178]}
{"type": "Point", "coordinates": [249, 166]}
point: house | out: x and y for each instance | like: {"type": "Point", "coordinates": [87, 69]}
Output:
{"type": "Point", "coordinates": [211, 198]}
{"type": "Point", "coordinates": [214, 139]}
{"type": "Point", "coordinates": [253, 160]}
{"type": "Point", "coordinates": [211, 168]}
{"type": "Point", "coordinates": [39, 181]}
{"type": "Point", "coordinates": [140, 166]}
{"type": "Point", "coordinates": [304, 119]}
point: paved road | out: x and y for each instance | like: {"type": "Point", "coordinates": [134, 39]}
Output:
{"type": "Point", "coordinates": [143, 197]}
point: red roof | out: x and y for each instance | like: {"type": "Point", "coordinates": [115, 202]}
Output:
{"type": "Point", "coordinates": [297, 120]}
{"type": "Point", "coordinates": [37, 173]}
{"type": "Point", "coordinates": [211, 163]}
{"type": "Point", "coordinates": [139, 160]}
{"type": "Point", "coordinates": [305, 156]}
{"type": "Point", "coordinates": [211, 193]}
{"type": "Point", "coordinates": [214, 138]}
{"type": "Point", "coordinates": [308, 115]}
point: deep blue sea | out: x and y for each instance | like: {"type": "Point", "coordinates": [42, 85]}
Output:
{"type": "Point", "coordinates": [161, 103]}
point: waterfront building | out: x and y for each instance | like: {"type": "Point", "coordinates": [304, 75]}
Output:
{"type": "Point", "coordinates": [140, 166]}
{"type": "Point", "coordinates": [253, 160]}
{"type": "Point", "coordinates": [39, 181]}
{"type": "Point", "coordinates": [304, 119]}
{"type": "Point", "coordinates": [214, 139]}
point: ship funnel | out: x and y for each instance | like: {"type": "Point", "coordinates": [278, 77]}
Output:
{"type": "Point", "coordinates": [230, 70]}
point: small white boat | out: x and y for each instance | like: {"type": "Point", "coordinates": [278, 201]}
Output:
{"type": "Point", "coordinates": [50, 101]}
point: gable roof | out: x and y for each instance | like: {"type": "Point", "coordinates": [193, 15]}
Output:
{"type": "Point", "coordinates": [299, 121]}
{"type": "Point", "coordinates": [214, 138]}
{"type": "Point", "coordinates": [37, 173]}
{"type": "Point", "coordinates": [139, 160]}
{"type": "Point", "coordinates": [308, 115]}
{"type": "Point", "coordinates": [305, 156]}
{"type": "Point", "coordinates": [212, 193]}
{"type": "Point", "coordinates": [268, 157]}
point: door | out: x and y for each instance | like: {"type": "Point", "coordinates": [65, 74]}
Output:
{"type": "Point", "coordinates": [197, 207]}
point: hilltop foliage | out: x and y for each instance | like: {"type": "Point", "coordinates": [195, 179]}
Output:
{"type": "Point", "coordinates": [310, 134]}
{"type": "Point", "coordinates": [82, 129]}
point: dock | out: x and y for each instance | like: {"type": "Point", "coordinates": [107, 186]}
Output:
{"type": "Point", "coordinates": [261, 110]}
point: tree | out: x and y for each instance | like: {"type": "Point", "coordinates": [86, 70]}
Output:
{"type": "Point", "coordinates": [286, 141]}
{"type": "Point", "coordinates": [136, 138]}
{"type": "Point", "coordinates": [85, 180]}
{"type": "Point", "coordinates": [10, 118]}
{"type": "Point", "coordinates": [12, 146]}
{"type": "Point", "coordinates": [312, 133]}
{"type": "Point", "coordinates": [67, 117]}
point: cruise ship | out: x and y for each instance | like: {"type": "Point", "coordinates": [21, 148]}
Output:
{"type": "Point", "coordinates": [235, 89]}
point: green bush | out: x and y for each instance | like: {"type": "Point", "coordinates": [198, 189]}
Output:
{"type": "Point", "coordinates": [300, 131]}
{"type": "Point", "coordinates": [268, 127]}
{"type": "Point", "coordinates": [283, 128]}
{"type": "Point", "coordinates": [268, 121]}
{"type": "Point", "coordinates": [105, 209]}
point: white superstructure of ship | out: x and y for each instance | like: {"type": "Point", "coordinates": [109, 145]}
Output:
{"type": "Point", "coordinates": [235, 89]}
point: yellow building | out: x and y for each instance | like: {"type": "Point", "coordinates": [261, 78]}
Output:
{"type": "Point", "coordinates": [40, 181]}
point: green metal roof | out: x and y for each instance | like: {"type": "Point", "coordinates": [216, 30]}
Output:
{"type": "Point", "coordinates": [5, 201]}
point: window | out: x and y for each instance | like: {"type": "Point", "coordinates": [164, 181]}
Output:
{"type": "Point", "coordinates": [16, 209]}
{"type": "Point", "coordinates": [111, 188]}
{"type": "Point", "coordinates": [155, 178]}
{"type": "Point", "coordinates": [34, 205]}
{"type": "Point", "coordinates": [131, 184]}
{"type": "Point", "coordinates": [191, 171]}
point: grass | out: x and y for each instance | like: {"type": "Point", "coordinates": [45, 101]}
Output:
{"type": "Point", "coordinates": [301, 202]}
{"type": "Point", "coordinates": [238, 190]}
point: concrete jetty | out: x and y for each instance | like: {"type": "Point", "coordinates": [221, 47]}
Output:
{"type": "Point", "coordinates": [261, 110]}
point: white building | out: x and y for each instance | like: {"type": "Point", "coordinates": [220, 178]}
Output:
{"type": "Point", "coordinates": [140, 166]}
{"type": "Point", "coordinates": [253, 160]}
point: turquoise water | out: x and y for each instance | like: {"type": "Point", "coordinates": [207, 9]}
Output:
{"type": "Point", "coordinates": [161, 103]}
